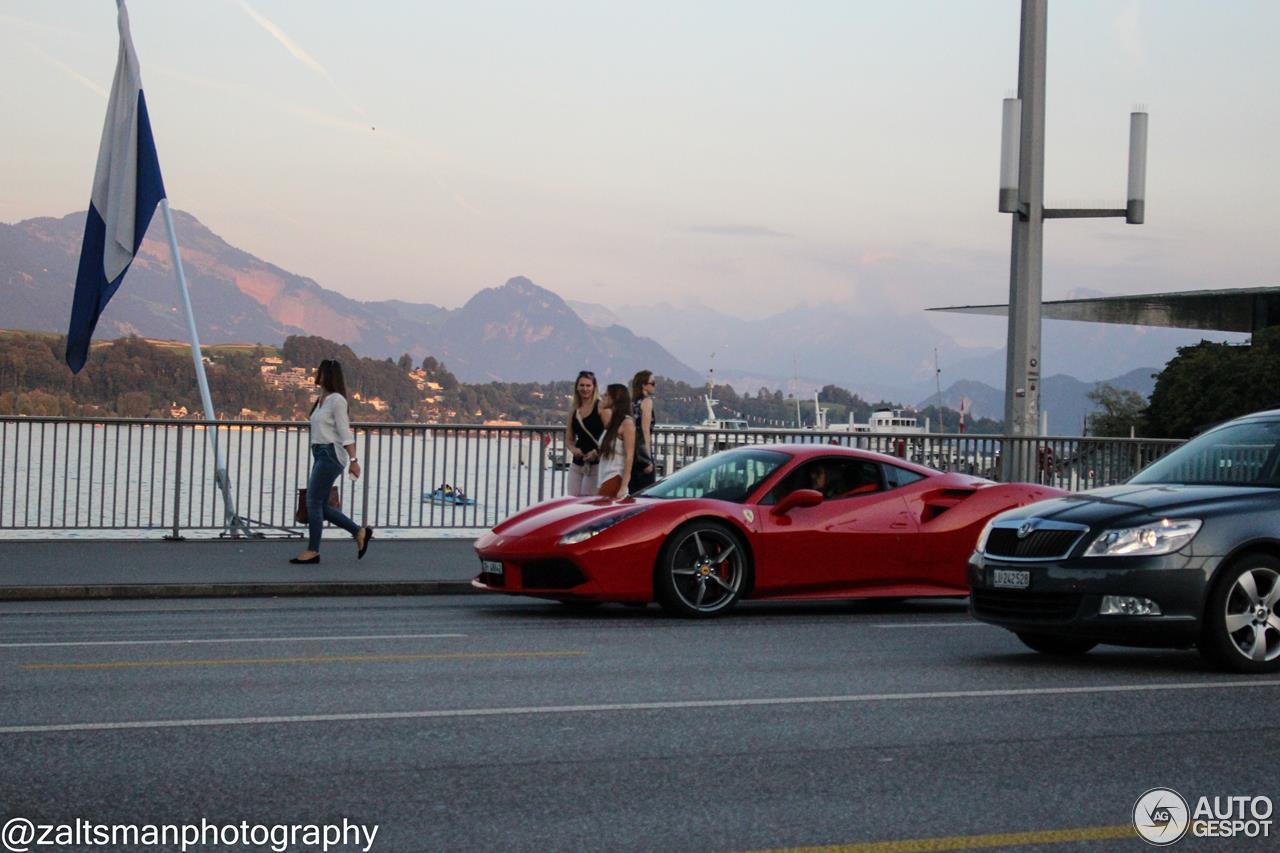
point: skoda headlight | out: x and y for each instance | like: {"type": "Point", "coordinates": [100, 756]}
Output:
{"type": "Point", "coordinates": [582, 534]}
{"type": "Point", "coordinates": [1162, 537]}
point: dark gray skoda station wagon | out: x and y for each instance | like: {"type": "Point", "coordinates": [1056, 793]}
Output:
{"type": "Point", "coordinates": [1186, 553]}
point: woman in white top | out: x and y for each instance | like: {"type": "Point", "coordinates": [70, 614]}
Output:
{"type": "Point", "coordinates": [582, 436]}
{"type": "Point", "coordinates": [333, 449]}
{"type": "Point", "coordinates": [618, 444]}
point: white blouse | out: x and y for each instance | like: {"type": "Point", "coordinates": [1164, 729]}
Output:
{"type": "Point", "coordinates": [330, 424]}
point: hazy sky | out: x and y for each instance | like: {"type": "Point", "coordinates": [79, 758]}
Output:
{"type": "Point", "coordinates": [744, 154]}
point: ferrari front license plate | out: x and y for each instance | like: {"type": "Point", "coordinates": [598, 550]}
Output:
{"type": "Point", "coordinates": [491, 567]}
{"type": "Point", "coordinates": [1010, 578]}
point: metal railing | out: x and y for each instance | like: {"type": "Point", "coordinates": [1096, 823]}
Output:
{"type": "Point", "coordinates": [122, 474]}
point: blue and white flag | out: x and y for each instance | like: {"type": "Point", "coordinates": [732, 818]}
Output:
{"type": "Point", "coordinates": [126, 189]}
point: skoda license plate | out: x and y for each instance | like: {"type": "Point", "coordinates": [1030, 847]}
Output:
{"type": "Point", "coordinates": [491, 567]}
{"type": "Point", "coordinates": [1010, 578]}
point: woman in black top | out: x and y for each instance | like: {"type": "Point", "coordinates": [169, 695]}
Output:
{"type": "Point", "coordinates": [644, 471]}
{"type": "Point", "coordinates": [582, 436]}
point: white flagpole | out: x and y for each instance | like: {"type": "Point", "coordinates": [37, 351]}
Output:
{"type": "Point", "coordinates": [230, 521]}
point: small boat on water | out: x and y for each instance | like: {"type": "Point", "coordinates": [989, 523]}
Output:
{"type": "Point", "coordinates": [447, 495]}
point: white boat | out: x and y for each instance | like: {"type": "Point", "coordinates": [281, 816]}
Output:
{"type": "Point", "coordinates": [893, 422]}
{"type": "Point", "coordinates": [713, 421]}
{"type": "Point", "coordinates": [885, 421]}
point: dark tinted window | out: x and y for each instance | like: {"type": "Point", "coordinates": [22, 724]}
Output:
{"type": "Point", "coordinates": [835, 477]}
{"type": "Point", "coordinates": [731, 475]}
{"type": "Point", "coordinates": [895, 476]}
{"type": "Point", "coordinates": [1241, 454]}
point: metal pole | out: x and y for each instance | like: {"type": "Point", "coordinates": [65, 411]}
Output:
{"type": "Point", "coordinates": [367, 473]}
{"type": "Point", "coordinates": [937, 380]}
{"type": "Point", "coordinates": [230, 520]}
{"type": "Point", "coordinates": [1022, 370]}
{"type": "Point", "coordinates": [177, 489]}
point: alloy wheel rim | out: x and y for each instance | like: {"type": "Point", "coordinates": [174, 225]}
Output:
{"type": "Point", "coordinates": [1251, 620]}
{"type": "Point", "coordinates": [706, 570]}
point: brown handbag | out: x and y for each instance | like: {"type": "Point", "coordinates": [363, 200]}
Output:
{"type": "Point", "coordinates": [300, 514]}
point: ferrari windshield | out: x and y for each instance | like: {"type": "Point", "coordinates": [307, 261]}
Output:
{"type": "Point", "coordinates": [1240, 454]}
{"type": "Point", "coordinates": [731, 475]}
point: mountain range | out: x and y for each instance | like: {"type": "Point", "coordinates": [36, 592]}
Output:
{"type": "Point", "coordinates": [882, 356]}
{"type": "Point", "coordinates": [518, 332]}
{"type": "Point", "coordinates": [523, 332]}
{"type": "Point", "coordinates": [1064, 399]}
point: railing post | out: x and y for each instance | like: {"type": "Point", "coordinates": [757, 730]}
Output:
{"type": "Point", "coordinates": [364, 499]}
{"type": "Point", "coordinates": [175, 536]}
{"type": "Point", "coordinates": [542, 467]}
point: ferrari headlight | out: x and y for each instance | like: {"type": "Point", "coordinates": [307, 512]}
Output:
{"type": "Point", "coordinates": [982, 537]}
{"type": "Point", "coordinates": [1162, 537]}
{"type": "Point", "coordinates": [582, 534]}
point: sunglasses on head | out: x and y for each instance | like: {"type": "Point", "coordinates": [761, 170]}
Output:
{"type": "Point", "coordinates": [586, 374]}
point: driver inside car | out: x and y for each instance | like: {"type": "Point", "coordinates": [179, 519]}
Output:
{"type": "Point", "coordinates": [822, 480]}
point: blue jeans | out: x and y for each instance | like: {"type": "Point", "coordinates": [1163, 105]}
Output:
{"type": "Point", "coordinates": [324, 472]}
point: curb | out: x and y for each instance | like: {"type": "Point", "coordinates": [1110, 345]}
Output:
{"type": "Point", "coordinates": [233, 590]}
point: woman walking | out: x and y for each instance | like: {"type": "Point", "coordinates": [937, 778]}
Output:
{"type": "Point", "coordinates": [644, 472]}
{"type": "Point", "coordinates": [333, 450]}
{"type": "Point", "coordinates": [618, 444]}
{"type": "Point", "coordinates": [582, 436]}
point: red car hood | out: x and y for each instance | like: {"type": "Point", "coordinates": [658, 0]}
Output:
{"type": "Point", "coordinates": [560, 516]}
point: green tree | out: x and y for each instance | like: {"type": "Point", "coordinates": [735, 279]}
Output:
{"type": "Point", "coordinates": [1121, 412]}
{"type": "Point", "coordinates": [1213, 382]}
{"type": "Point", "coordinates": [310, 350]}
{"type": "Point", "coordinates": [133, 404]}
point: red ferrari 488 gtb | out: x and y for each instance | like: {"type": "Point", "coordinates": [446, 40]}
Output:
{"type": "Point", "coordinates": [764, 522]}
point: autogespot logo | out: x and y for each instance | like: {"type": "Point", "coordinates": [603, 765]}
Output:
{"type": "Point", "coordinates": [1160, 816]}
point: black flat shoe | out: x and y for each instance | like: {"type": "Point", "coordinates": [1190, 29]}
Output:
{"type": "Point", "coordinates": [368, 534]}
{"type": "Point", "coordinates": [308, 561]}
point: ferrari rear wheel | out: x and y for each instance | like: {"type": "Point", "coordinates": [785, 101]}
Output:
{"type": "Point", "coordinates": [1049, 644]}
{"type": "Point", "coordinates": [702, 570]}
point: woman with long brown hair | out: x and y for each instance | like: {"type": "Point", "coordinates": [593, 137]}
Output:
{"type": "Point", "coordinates": [333, 450]}
{"type": "Point", "coordinates": [644, 472]}
{"type": "Point", "coordinates": [618, 444]}
{"type": "Point", "coordinates": [582, 436]}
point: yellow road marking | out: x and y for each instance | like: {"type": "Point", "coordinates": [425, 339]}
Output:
{"type": "Point", "coordinates": [974, 842]}
{"type": "Point", "coordinates": [142, 664]}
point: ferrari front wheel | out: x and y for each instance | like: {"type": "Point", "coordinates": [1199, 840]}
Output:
{"type": "Point", "coordinates": [702, 570]}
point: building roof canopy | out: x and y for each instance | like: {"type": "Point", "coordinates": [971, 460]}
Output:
{"type": "Point", "coordinates": [1245, 309]}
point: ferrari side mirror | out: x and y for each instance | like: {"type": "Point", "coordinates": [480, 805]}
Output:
{"type": "Point", "coordinates": [798, 498]}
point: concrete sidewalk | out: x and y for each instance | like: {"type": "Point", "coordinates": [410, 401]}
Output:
{"type": "Point", "coordinates": [81, 568]}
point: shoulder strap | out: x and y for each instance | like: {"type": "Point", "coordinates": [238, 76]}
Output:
{"type": "Point", "coordinates": [577, 415]}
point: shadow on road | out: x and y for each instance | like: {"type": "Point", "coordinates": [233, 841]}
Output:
{"type": "Point", "coordinates": [1112, 660]}
{"type": "Point", "coordinates": [597, 612]}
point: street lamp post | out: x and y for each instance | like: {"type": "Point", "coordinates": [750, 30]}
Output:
{"type": "Point", "coordinates": [1022, 194]}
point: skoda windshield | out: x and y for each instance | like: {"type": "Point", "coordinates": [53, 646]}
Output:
{"type": "Point", "coordinates": [1238, 454]}
{"type": "Point", "coordinates": [731, 475]}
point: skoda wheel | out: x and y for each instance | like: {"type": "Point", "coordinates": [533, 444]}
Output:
{"type": "Point", "coordinates": [1241, 627]}
{"type": "Point", "coordinates": [702, 570]}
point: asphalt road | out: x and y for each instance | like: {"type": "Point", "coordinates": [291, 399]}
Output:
{"type": "Point", "coordinates": [490, 723]}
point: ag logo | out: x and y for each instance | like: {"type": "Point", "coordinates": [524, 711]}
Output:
{"type": "Point", "coordinates": [1027, 526]}
{"type": "Point", "coordinates": [749, 516]}
{"type": "Point", "coordinates": [1160, 816]}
